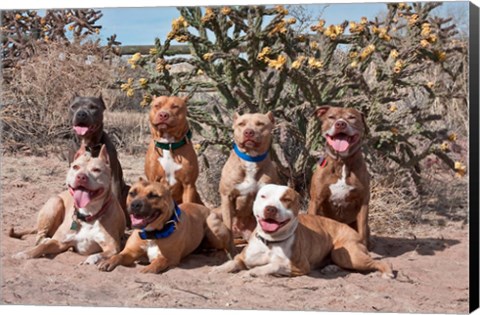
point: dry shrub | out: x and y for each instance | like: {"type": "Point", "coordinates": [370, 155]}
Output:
{"type": "Point", "coordinates": [36, 101]}
{"type": "Point", "coordinates": [128, 130]}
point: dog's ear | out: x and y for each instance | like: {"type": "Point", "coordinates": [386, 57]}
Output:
{"type": "Point", "coordinates": [319, 112]}
{"type": "Point", "coordinates": [270, 116]}
{"type": "Point", "coordinates": [103, 155]}
{"type": "Point", "coordinates": [81, 151]}
{"type": "Point", "coordinates": [185, 98]}
{"type": "Point", "coordinates": [235, 117]}
{"type": "Point", "coordinates": [162, 180]}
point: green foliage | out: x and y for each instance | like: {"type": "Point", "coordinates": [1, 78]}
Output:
{"type": "Point", "coordinates": [392, 69]}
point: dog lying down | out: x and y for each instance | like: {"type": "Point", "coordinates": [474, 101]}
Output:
{"type": "Point", "coordinates": [286, 243]}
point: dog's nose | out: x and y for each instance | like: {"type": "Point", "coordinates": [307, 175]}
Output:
{"type": "Point", "coordinates": [82, 179]}
{"type": "Point", "coordinates": [270, 211]}
{"type": "Point", "coordinates": [163, 116]}
{"type": "Point", "coordinates": [136, 206]}
{"type": "Point", "coordinates": [340, 124]}
{"type": "Point", "coordinates": [81, 115]}
{"type": "Point", "coordinates": [249, 133]}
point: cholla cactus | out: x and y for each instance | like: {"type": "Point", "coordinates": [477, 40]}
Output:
{"type": "Point", "coordinates": [377, 66]}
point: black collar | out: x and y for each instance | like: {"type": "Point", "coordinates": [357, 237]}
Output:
{"type": "Point", "coordinates": [268, 242]}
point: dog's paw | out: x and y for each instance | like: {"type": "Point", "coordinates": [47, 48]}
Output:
{"type": "Point", "coordinates": [152, 268]}
{"type": "Point", "coordinates": [106, 265]}
{"type": "Point", "coordinates": [388, 275]}
{"type": "Point", "coordinates": [21, 256]}
{"type": "Point", "coordinates": [92, 259]}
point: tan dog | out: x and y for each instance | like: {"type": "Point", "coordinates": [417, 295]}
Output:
{"type": "Point", "coordinates": [170, 154]}
{"type": "Point", "coordinates": [87, 217]}
{"type": "Point", "coordinates": [247, 169]}
{"type": "Point", "coordinates": [165, 233]}
{"type": "Point", "coordinates": [340, 186]}
{"type": "Point", "coordinates": [288, 244]}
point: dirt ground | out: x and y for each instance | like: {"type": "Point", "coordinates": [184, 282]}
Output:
{"type": "Point", "coordinates": [431, 263]}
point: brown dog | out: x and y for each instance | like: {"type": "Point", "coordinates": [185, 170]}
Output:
{"type": "Point", "coordinates": [87, 217]}
{"type": "Point", "coordinates": [288, 244]}
{"type": "Point", "coordinates": [165, 233]}
{"type": "Point", "coordinates": [170, 154]}
{"type": "Point", "coordinates": [247, 169]}
{"type": "Point", "coordinates": [340, 186]}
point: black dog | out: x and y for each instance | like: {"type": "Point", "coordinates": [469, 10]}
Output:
{"type": "Point", "coordinates": [86, 117]}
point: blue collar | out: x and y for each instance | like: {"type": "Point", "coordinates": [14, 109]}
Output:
{"type": "Point", "coordinates": [247, 157]}
{"type": "Point", "coordinates": [169, 227]}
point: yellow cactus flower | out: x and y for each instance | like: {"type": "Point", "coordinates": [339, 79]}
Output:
{"type": "Point", "coordinates": [160, 64]}
{"type": "Point", "coordinates": [353, 54]}
{"type": "Point", "coordinates": [280, 9]}
{"type": "Point", "coordinates": [226, 10]}
{"type": "Point", "coordinates": [280, 27]}
{"type": "Point", "coordinates": [441, 55]}
{"type": "Point", "coordinates": [363, 20]}
{"type": "Point", "coordinates": [134, 60]}
{"type": "Point", "coordinates": [179, 23]}
{"type": "Point", "coordinates": [314, 45]}
{"type": "Point", "coordinates": [354, 64]}
{"type": "Point", "coordinates": [445, 147]}
{"type": "Point", "coordinates": [292, 20]}
{"type": "Point", "coordinates": [97, 31]}
{"type": "Point", "coordinates": [432, 39]}
{"type": "Point", "coordinates": [413, 19]}
{"type": "Point", "coordinates": [147, 98]}
{"type": "Point", "coordinates": [197, 147]}
{"type": "Point", "coordinates": [209, 15]}
{"type": "Point", "coordinates": [394, 130]}
{"type": "Point", "coordinates": [298, 63]}
{"type": "Point", "coordinates": [181, 38]}
{"type": "Point", "coordinates": [71, 27]}
{"type": "Point", "coordinates": [366, 52]}
{"type": "Point", "coordinates": [153, 51]}
{"type": "Point", "coordinates": [319, 27]}
{"type": "Point", "coordinates": [18, 16]}
{"type": "Point", "coordinates": [394, 54]}
{"type": "Point", "coordinates": [126, 86]}
{"type": "Point", "coordinates": [277, 63]}
{"type": "Point", "coordinates": [424, 43]}
{"type": "Point", "coordinates": [208, 56]}
{"type": "Point", "coordinates": [460, 169]}
{"type": "Point", "coordinates": [382, 34]}
{"type": "Point", "coordinates": [143, 82]}
{"type": "Point", "coordinates": [315, 63]}
{"type": "Point", "coordinates": [452, 137]}
{"type": "Point", "coordinates": [130, 92]}
{"type": "Point", "coordinates": [425, 30]}
{"type": "Point", "coordinates": [402, 6]}
{"type": "Point", "coordinates": [430, 84]}
{"type": "Point", "coordinates": [393, 108]}
{"type": "Point", "coordinates": [333, 31]}
{"type": "Point", "coordinates": [301, 38]}
{"type": "Point", "coordinates": [46, 38]}
{"type": "Point", "coordinates": [356, 28]}
{"type": "Point", "coordinates": [399, 64]}
{"type": "Point", "coordinates": [266, 51]}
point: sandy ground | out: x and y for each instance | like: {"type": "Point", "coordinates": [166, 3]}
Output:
{"type": "Point", "coordinates": [431, 264]}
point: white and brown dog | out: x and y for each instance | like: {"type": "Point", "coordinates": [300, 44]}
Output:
{"type": "Point", "coordinates": [340, 186]}
{"type": "Point", "coordinates": [164, 232]}
{"type": "Point", "coordinates": [248, 168]}
{"type": "Point", "coordinates": [170, 154]}
{"type": "Point", "coordinates": [288, 244]}
{"type": "Point", "coordinates": [86, 217]}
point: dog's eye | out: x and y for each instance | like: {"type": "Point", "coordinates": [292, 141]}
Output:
{"type": "Point", "coordinates": [242, 124]}
{"type": "Point", "coordinates": [132, 193]}
{"type": "Point", "coordinates": [175, 106]}
{"type": "Point", "coordinates": [260, 124]}
{"type": "Point", "coordinates": [262, 196]}
{"type": "Point", "coordinates": [331, 117]}
{"type": "Point", "coordinates": [96, 170]}
{"type": "Point", "coordinates": [152, 195]}
{"type": "Point", "coordinates": [76, 167]}
{"type": "Point", "coordinates": [351, 117]}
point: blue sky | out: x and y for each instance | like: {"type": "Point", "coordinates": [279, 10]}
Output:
{"type": "Point", "coordinates": [140, 26]}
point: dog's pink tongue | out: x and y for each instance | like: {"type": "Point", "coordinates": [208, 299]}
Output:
{"type": "Point", "coordinates": [269, 226]}
{"type": "Point", "coordinates": [339, 144]}
{"type": "Point", "coordinates": [80, 130]}
{"type": "Point", "coordinates": [81, 198]}
{"type": "Point", "coordinates": [137, 222]}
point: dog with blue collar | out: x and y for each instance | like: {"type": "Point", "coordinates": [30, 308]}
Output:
{"type": "Point", "coordinates": [164, 232]}
{"type": "Point", "coordinates": [248, 168]}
